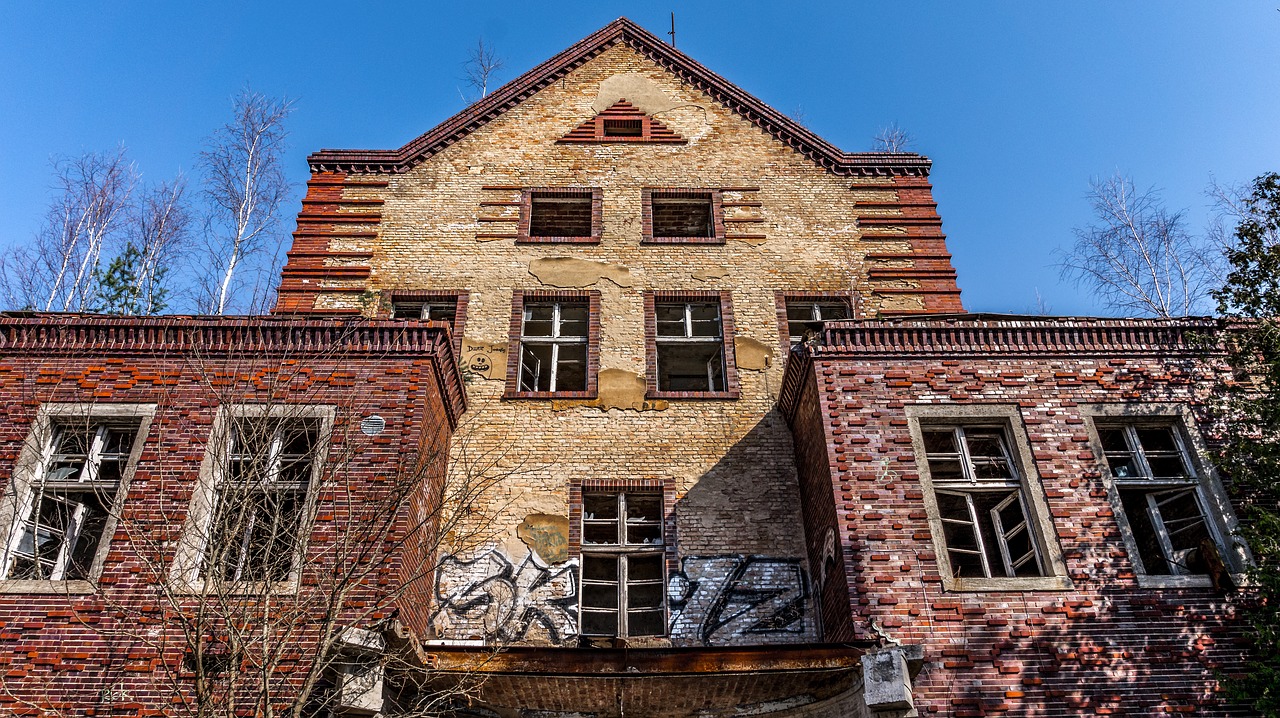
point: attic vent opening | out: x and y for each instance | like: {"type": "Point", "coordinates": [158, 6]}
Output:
{"type": "Point", "coordinates": [624, 128]}
{"type": "Point", "coordinates": [560, 215]}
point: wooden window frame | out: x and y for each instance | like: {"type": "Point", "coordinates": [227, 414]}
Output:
{"type": "Point", "coordinates": [717, 214]}
{"type": "Point", "coordinates": [727, 333]}
{"type": "Point", "coordinates": [781, 298]}
{"type": "Point", "coordinates": [459, 297]}
{"type": "Point", "coordinates": [524, 226]}
{"type": "Point", "coordinates": [516, 329]}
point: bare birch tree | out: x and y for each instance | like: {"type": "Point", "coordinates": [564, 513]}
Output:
{"type": "Point", "coordinates": [245, 185]}
{"type": "Point", "coordinates": [156, 233]}
{"type": "Point", "coordinates": [893, 138]}
{"type": "Point", "coordinates": [481, 70]}
{"type": "Point", "coordinates": [58, 269]}
{"type": "Point", "coordinates": [1137, 256]}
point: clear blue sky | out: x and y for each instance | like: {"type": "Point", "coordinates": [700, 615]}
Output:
{"type": "Point", "coordinates": [1018, 103]}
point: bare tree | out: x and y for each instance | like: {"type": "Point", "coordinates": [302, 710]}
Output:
{"type": "Point", "coordinates": [57, 271]}
{"type": "Point", "coordinates": [156, 233]}
{"type": "Point", "coordinates": [1137, 256]}
{"type": "Point", "coordinates": [245, 185]}
{"type": "Point", "coordinates": [480, 70]}
{"type": "Point", "coordinates": [893, 138]}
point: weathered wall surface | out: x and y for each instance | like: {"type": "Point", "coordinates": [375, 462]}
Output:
{"type": "Point", "coordinates": [118, 646]}
{"type": "Point", "coordinates": [1106, 644]}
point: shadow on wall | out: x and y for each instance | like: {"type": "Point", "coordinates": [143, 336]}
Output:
{"type": "Point", "coordinates": [742, 578]}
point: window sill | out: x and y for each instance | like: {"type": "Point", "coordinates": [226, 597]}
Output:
{"type": "Point", "coordinates": [557, 240]}
{"type": "Point", "coordinates": [248, 588]}
{"type": "Point", "coordinates": [683, 240]}
{"type": "Point", "coordinates": [549, 395]}
{"type": "Point", "coordinates": [1155, 581]}
{"type": "Point", "coordinates": [693, 394]}
{"type": "Point", "coordinates": [51, 587]}
{"type": "Point", "coordinates": [1040, 583]}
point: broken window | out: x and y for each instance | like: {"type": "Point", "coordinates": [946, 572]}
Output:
{"type": "Point", "coordinates": [1161, 496]}
{"type": "Point", "coordinates": [553, 347]}
{"type": "Point", "coordinates": [260, 498]}
{"type": "Point", "coordinates": [60, 523]}
{"type": "Point", "coordinates": [437, 311]}
{"type": "Point", "coordinates": [690, 347]}
{"type": "Point", "coordinates": [805, 318]}
{"type": "Point", "coordinates": [623, 565]}
{"type": "Point", "coordinates": [690, 215]}
{"type": "Point", "coordinates": [981, 503]}
{"type": "Point", "coordinates": [562, 214]}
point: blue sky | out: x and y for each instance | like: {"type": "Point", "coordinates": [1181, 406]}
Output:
{"type": "Point", "coordinates": [1018, 103]}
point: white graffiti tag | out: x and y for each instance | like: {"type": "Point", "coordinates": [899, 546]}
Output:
{"type": "Point", "coordinates": [504, 601]}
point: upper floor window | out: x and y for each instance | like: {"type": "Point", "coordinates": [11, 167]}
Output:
{"type": "Point", "coordinates": [690, 345]}
{"type": "Point", "coordinates": [989, 519]}
{"type": "Point", "coordinates": [434, 305]}
{"type": "Point", "coordinates": [572, 215]}
{"type": "Point", "coordinates": [1165, 502]}
{"type": "Point", "coordinates": [691, 216]}
{"type": "Point", "coordinates": [555, 344]}
{"type": "Point", "coordinates": [805, 316]}
{"type": "Point", "coordinates": [623, 565]}
{"type": "Point", "coordinates": [69, 481]}
{"type": "Point", "coordinates": [437, 311]}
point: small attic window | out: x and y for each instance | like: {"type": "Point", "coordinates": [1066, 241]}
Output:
{"type": "Point", "coordinates": [561, 215]}
{"type": "Point", "coordinates": [623, 128]}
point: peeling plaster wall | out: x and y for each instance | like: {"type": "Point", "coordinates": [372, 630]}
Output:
{"type": "Point", "coordinates": [731, 460]}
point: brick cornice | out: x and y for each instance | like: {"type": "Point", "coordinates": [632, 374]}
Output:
{"type": "Point", "coordinates": [79, 335]}
{"type": "Point", "coordinates": [622, 30]}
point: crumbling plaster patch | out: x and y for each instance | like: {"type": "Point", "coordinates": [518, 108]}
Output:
{"type": "Point", "coordinates": [752, 354]}
{"type": "Point", "coordinates": [569, 272]}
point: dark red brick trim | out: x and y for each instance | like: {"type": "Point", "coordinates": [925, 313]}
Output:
{"type": "Point", "coordinates": [727, 331]}
{"type": "Point", "coordinates": [526, 214]}
{"type": "Point", "coordinates": [651, 129]}
{"type": "Point", "coordinates": [519, 297]}
{"type": "Point", "coordinates": [459, 296]}
{"type": "Point", "coordinates": [622, 30]}
{"type": "Point", "coordinates": [781, 298]}
{"type": "Point", "coordinates": [646, 215]}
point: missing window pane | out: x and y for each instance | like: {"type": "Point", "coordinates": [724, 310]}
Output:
{"type": "Point", "coordinates": [683, 216]}
{"type": "Point", "coordinates": [559, 215]}
{"type": "Point", "coordinates": [624, 128]}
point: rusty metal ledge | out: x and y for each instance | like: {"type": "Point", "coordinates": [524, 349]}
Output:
{"type": "Point", "coordinates": [636, 662]}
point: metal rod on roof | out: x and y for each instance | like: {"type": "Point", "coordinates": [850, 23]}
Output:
{"type": "Point", "coordinates": [673, 29]}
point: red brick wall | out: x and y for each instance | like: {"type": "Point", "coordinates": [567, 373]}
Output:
{"type": "Point", "coordinates": [1105, 646]}
{"type": "Point", "coordinates": [118, 650]}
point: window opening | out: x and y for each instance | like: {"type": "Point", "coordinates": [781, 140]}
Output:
{"type": "Point", "coordinates": [981, 503]}
{"type": "Point", "coordinates": [682, 216]}
{"type": "Point", "coordinates": [553, 347]}
{"type": "Point", "coordinates": [623, 565]}
{"type": "Point", "coordinates": [62, 521]}
{"type": "Point", "coordinates": [804, 319]}
{"type": "Point", "coordinates": [1161, 496]}
{"type": "Point", "coordinates": [690, 347]}
{"type": "Point", "coordinates": [441, 311]}
{"type": "Point", "coordinates": [260, 499]}
{"type": "Point", "coordinates": [560, 214]}
{"type": "Point", "coordinates": [624, 128]}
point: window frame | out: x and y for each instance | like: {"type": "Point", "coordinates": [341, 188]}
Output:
{"type": "Point", "coordinates": [189, 571]}
{"type": "Point", "coordinates": [1039, 523]}
{"type": "Point", "coordinates": [1220, 519]}
{"type": "Point", "coordinates": [525, 223]}
{"type": "Point", "coordinates": [664, 488]}
{"type": "Point", "coordinates": [714, 195]}
{"type": "Point", "coordinates": [652, 341]}
{"type": "Point", "coordinates": [783, 298]}
{"type": "Point", "coordinates": [459, 299]}
{"type": "Point", "coordinates": [516, 342]}
{"type": "Point", "coordinates": [33, 460]}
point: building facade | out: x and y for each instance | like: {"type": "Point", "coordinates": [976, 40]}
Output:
{"type": "Point", "coordinates": [730, 445]}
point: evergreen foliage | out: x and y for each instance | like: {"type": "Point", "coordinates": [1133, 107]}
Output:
{"type": "Point", "coordinates": [123, 290]}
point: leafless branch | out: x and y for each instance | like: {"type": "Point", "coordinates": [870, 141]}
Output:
{"type": "Point", "coordinates": [1137, 256]}
{"type": "Point", "coordinates": [245, 186]}
{"type": "Point", "coordinates": [481, 70]}
{"type": "Point", "coordinates": [893, 138]}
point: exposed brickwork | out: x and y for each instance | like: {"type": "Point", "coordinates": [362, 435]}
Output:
{"type": "Point", "coordinates": [118, 649]}
{"type": "Point", "coordinates": [648, 129]}
{"type": "Point", "coordinates": [1106, 645]}
{"type": "Point", "coordinates": [689, 216]}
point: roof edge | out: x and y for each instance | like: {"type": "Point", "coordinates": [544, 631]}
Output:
{"type": "Point", "coordinates": [781, 127]}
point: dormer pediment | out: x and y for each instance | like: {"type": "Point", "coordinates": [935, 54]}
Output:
{"type": "Point", "coordinates": [622, 122]}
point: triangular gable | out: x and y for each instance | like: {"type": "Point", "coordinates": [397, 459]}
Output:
{"type": "Point", "coordinates": [622, 122]}
{"type": "Point", "coordinates": [781, 127]}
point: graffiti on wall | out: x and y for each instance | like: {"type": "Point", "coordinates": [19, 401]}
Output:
{"type": "Point", "coordinates": [490, 596]}
{"type": "Point", "coordinates": [739, 600]}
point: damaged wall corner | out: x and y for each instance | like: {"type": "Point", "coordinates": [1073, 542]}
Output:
{"type": "Point", "coordinates": [886, 680]}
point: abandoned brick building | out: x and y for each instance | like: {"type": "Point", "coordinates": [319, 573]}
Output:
{"type": "Point", "coordinates": [729, 444]}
